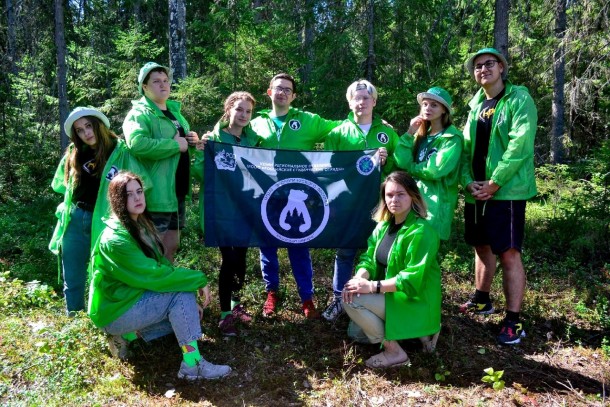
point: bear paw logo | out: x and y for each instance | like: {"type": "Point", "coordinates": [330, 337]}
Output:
{"type": "Point", "coordinates": [296, 203]}
{"type": "Point", "coordinates": [225, 161]}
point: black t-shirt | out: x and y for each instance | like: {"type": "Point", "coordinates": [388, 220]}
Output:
{"type": "Point", "coordinates": [481, 147]}
{"type": "Point", "coordinates": [383, 250]}
{"type": "Point", "coordinates": [89, 182]}
{"type": "Point", "coordinates": [183, 176]}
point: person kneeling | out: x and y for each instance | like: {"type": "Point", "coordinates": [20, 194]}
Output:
{"type": "Point", "coordinates": [136, 291]}
{"type": "Point", "coordinates": [396, 291]}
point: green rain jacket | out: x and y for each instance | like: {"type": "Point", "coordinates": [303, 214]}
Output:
{"type": "Point", "coordinates": [121, 273]}
{"type": "Point", "coordinates": [301, 131]}
{"type": "Point", "coordinates": [150, 137]}
{"type": "Point", "coordinates": [248, 139]}
{"type": "Point", "coordinates": [414, 310]}
{"type": "Point", "coordinates": [120, 159]}
{"type": "Point", "coordinates": [437, 174]}
{"type": "Point", "coordinates": [510, 161]}
{"type": "Point", "coordinates": [349, 136]}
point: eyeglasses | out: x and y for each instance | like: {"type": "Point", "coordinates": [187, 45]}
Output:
{"type": "Point", "coordinates": [490, 63]}
{"type": "Point", "coordinates": [285, 91]}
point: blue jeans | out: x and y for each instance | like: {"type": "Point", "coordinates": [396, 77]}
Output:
{"type": "Point", "coordinates": [158, 314]}
{"type": "Point", "coordinates": [344, 264]}
{"type": "Point", "coordinates": [301, 270]}
{"type": "Point", "coordinates": [75, 253]}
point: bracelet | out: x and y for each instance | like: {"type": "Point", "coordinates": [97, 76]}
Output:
{"type": "Point", "coordinates": [378, 286]}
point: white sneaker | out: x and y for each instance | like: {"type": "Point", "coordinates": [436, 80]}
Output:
{"type": "Point", "coordinates": [118, 347]}
{"type": "Point", "coordinates": [202, 370]}
{"type": "Point", "coordinates": [334, 310]}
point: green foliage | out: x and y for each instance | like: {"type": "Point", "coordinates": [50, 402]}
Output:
{"type": "Point", "coordinates": [16, 295]}
{"type": "Point", "coordinates": [494, 377]}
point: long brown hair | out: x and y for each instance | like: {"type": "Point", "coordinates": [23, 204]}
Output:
{"type": "Point", "coordinates": [424, 129]}
{"type": "Point", "coordinates": [230, 101]}
{"type": "Point", "coordinates": [105, 140]}
{"type": "Point", "coordinates": [418, 205]}
{"type": "Point", "coordinates": [117, 195]}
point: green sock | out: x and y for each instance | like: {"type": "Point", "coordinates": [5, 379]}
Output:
{"type": "Point", "coordinates": [190, 353]}
{"type": "Point", "coordinates": [234, 303]}
{"type": "Point", "coordinates": [130, 336]}
{"type": "Point", "coordinates": [224, 314]}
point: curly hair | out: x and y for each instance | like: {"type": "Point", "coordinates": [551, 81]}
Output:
{"type": "Point", "coordinates": [230, 101]}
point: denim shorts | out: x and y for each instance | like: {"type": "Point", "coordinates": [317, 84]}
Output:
{"type": "Point", "coordinates": [165, 221]}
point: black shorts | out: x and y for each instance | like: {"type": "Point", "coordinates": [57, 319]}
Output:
{"type": "Point", "coordinates": [499, 224]}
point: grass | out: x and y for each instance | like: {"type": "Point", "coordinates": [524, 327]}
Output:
{"type": "Point", "coordinates": [51, 360]}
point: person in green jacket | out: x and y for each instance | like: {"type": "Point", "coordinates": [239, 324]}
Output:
{"type": "Point", "coordinates": [431, 152]}
{"type": "Point", "coordinates": [396, 291]}
{"type": "Point", "coordinates": [93, 157]}
{"type": "Point", "coordinates": [361, 130]}
{"type": "Point", "coordinates": [284, 127]}
{"type": "Point", "coordinates": [233, 128]}
{"type": "Point", "coordinates": [136, 292]}
{"type": "Point", "coordinates": [498, 175]}
{"type": "Point", "coordinates": [158, 134]}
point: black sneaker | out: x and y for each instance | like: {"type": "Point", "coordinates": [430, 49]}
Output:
{"type": "Point", "coordinates": [485, 308]}
{"type": "Point", "coordinates": [511, 333]}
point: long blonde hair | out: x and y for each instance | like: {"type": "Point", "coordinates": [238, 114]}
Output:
{"type": "Point", "coordinates": [424, 129]}
{"type": "Point", "coordinates": [418, 205]}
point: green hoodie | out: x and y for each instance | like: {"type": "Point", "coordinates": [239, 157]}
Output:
{"type": "Point", "coordinates": [120, 159]}
{"type": "Point", "coordinates": [150, 137]}
{"type": "Point", "coordinates": [248, 139]}
{"type": "Point", "coordinates": [349, 136]}
{"type": "Point", "coordinates": [121, 273]}
{"type": "Point", "coordinates": [301, 131]}
{"type": "Point", "coordinates": [414, 309]}
{"type": "Point", "coordinates": [510, 161]}
{"type": "Point", "coordinates": [437, 174]}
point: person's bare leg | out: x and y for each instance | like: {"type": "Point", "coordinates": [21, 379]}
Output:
{"type": "Point", "coordinates": [484, 267]}
{"type": "Point", "coordinates": [393, 353]}
{"type": "Point", "coordinates": [513, 279]}
{"type": "Point", "coordinates": [171, 239]}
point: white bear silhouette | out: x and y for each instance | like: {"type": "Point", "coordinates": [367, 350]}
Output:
{"type": "Point", "coordinates": [296, 200]}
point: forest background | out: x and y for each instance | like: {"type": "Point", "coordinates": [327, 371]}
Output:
{"type": "Point", "coordinates": [62, 54]}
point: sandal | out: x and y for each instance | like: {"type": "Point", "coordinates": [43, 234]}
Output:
{"type": "Point", "coordinates": [380, 361]}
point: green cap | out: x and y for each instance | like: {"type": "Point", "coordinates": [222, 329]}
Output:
{"type": "Point", "coordinates": [80, 112]}
{"type": "Point", "coordinates": [438, 94]}
{"type": "Point", "coordinates": [469, 65]}
{"type": "Point", "coordinates": [145, 70]}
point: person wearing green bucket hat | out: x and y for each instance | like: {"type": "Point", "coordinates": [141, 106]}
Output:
{"type": "Point", "coordinates": [158, 134]}
{"type": "Point", "coordinates": [431, 151]}
{"type": "Point", "coordinates": [497, 172]}
{"type": "Point", "coordinates": [94, 156]}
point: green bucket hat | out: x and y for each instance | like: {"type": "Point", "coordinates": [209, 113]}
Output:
{"type": "Point", "coordinates": [469, 64]}
{"type": "Point", "coordinates": [145, 70]}
{"type": "Point", "coordinates": [439, 94]}
{"type": "Point", "coordinates": [80, 112]}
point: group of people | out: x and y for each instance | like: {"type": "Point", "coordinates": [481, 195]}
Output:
{"type": "Point", "coordinates": [124, 206]}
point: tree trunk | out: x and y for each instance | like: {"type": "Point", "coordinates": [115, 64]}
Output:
{"type": "Point", "coordinates": [501, 26]}
{"type": "Point", "coordinates": [11, 36]}
{"type": "Point", "coordinates": [557, 147]}
{"type": "Point", "coordinates": [177, 38]}
{"type": "Point", "coordinates": [307, 43]}
{"type": "Point", "coordinates": [62, 71]}
{"type": "Point", "coordinates": [370, 59]}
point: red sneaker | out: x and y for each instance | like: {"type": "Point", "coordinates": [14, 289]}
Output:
{"type": "Point", "coordinates": [270, 303]}
{"type": "Point", "coordinates": [310, 310]}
